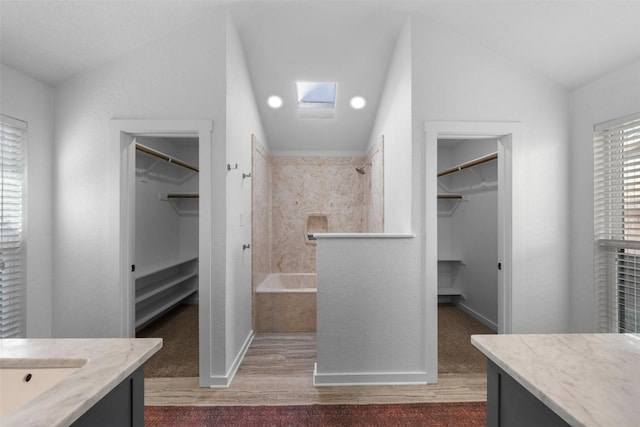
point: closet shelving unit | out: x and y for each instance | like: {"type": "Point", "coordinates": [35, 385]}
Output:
{"type": "Point", "coordinates": [451, 259]}
{"type": "Point", "coordinates": [450, 291]}
{"type": "Point", "coordinates": [180, 202]}
{"type": "Point", "coordinates": [162, 156]}
{"type": "Point", "coordinates": [469, 164]}
{"type": "Point", "coordinates": [455, 199]}
{"type": "Point", "coordinates": [160, 286]}
{"type": "Point", "coordinates": [450, 201]}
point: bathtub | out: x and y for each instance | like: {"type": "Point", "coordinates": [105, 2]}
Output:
{"type": "Point", "coordinates": [286, 302]}
{"type": "Point", "coordinates": [289, 282]}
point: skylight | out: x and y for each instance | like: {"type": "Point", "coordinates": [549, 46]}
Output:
{"type": "Point", "coordinates": [316, 100]}
{"type": "Point", "coordinates": [316, 92]}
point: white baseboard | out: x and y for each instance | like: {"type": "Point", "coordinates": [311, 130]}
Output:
{"type": "Point", "coordinates": [471, 312]}
{"type": "Point", "coordinates": [368, 378]}
{"type": "Point", "coordinates": [224, 381]}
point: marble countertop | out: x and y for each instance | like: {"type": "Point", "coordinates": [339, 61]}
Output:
{"type": "Point", "coordinates": [108, 362]}
{"type": "Point", "coordinates": [587, 379]}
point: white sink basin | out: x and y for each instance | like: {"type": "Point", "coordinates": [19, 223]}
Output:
{"type": "Point", "coordinates": [20, 384]}
{"type": "Point", "coordinates": [68, 376]}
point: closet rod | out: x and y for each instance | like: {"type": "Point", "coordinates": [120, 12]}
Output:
{"type": "Point", "coordinates": [161, 155]}
{"type": "Point", "coordinates": [472, 163]}
{"type": "Point", "coordinates": [183, 196]}
{"type": "Point", "coordinates": [449, 196]}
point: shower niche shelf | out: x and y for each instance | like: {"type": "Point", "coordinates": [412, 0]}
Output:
{"type": "Point", "coordinates": [316, 223]}
{"type": "Point", "coordinates": [161, 286]}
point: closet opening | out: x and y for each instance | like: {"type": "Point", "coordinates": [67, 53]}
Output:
{"type": "Point", "coordinates": [162, 238]}
{"type": "Point", "coordinates": [467, 249]}
{"type": "Point", "coordinates": [468, 226]}
{"type": "Point", "coordinates": [166, 251]}
{"type": "Point", "coordinates": [470, 263]}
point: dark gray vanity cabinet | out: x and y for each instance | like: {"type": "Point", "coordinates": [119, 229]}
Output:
{"type": "Point", "coordinates": [510, 404]}
{"type": "Point", "coordinates": [122, 407]}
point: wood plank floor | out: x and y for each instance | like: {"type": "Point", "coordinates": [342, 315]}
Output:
{"type": "Point", "coordinates": [278, 370]}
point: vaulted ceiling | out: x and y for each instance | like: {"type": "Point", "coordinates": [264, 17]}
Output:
{"type": "Point", "coordinates": [349, 42]}
{"type": "Point", "coordinates": [344, 43]}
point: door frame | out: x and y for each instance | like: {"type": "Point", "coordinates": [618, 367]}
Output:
{"type": "Point", "coordinates": [121, 252]}
{"type": "Point", "coordinates": [507, 134]}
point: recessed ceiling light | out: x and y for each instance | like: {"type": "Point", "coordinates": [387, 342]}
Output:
{"type": "Point", "coordinates": [274, 101]}
{"type": "Point", "coordinates": [358, 102]}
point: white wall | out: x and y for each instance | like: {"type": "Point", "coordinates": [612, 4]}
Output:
{"type": "Point", "coordinates": [455, 79]}
{"type": "Point", "coordinates": [610, 97]}
{"type": "Point", "coordinates": [29, 100]}
{"type": "Point", "coordinates": [476, 226]}
{"type": "Point", "coordinates": [183, 75]}
{"type": "Point", "coordinates": [242, 120]}
{"type": "Point", "coordinates": [370, 326]}
{"type": "Point", "coordinates": [393, 120]}
{"type": "Point", "coordinates": [189, 230]}
{"type": "Point", "coordinates": [179, 76]}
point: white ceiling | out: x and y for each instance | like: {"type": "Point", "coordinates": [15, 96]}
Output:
{"type": "Point", "coordinates": [344, 43]}
{"type": "Point", "coordinates": [53, 40]}
{"type": "Point", "coordinates": [568, 42]}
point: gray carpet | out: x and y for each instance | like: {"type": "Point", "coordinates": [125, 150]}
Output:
{"type": "Point", "coordinates": [456, 354]}
{"type": "Point", "coordinates": [179, 354]}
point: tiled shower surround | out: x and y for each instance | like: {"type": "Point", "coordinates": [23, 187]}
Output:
{"type": "Point", "coordinates": [321, 187]}
{"type": "Point", "coordinates": [295, 195]}
{"type": "Point", "coordinates": [261, 215]}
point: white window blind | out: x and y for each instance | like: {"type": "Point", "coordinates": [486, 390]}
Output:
{"type": "Point", "coordinates": [12, 283]}
{"type": "Point", "coordinates": [617, 224]}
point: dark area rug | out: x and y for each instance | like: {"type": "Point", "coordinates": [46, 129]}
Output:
{"type": "Point", "coordinates": [465, 414]}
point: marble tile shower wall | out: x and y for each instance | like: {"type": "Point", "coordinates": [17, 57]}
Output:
{"type": "Point", "coordinates": [301, 186]}
{"type": "Point", "coordinates": [374, 193]}
{"type": "Point", "coordinates": [261, 214]}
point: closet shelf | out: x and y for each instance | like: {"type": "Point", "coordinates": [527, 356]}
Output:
{"type": "Point", "coordinates": [183, 204]}
{"type": "Point", "coordinates": [458, 260]}
{"type": "Point", "coordinates": [167, 196]}
{"type": "Point", "coordinates": [145, 293]}
{"type": "Point", "coordinates": [450, 201]}
{"type": "Point", "coordinates": [470, 164]}
{"type": "Point", "coordinates": [146, 314]}
{"type": "Point", "coordinates": [450, 292]}
{"type": "Point", "coordinates": [160, 155]}
{"type": "Point", "coordinates": [162, 285]}
{"type": "Point", "coordinates": [442, 196]}
{"type": "Point", "coordinates": [163, 265]}
{"type": "Point", "coordinates": [183, 196]}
